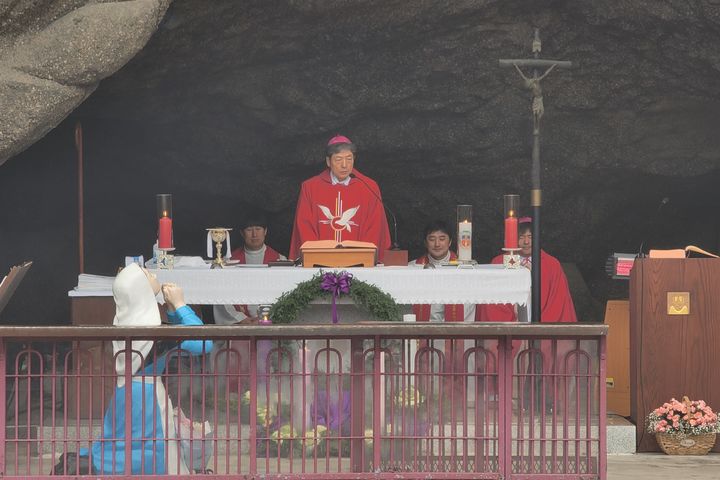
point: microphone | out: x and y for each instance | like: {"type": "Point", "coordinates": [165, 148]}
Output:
{"type": "Point", "coordinates": [395, 245]}
{"type": "Point", "coordinates": [663, 202]}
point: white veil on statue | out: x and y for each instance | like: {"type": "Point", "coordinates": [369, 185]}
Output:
{"type": "Point", "coordinates": [136, 306]}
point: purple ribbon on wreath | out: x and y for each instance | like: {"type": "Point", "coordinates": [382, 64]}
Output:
{"type": "Point", "coordinates": [336, 284]}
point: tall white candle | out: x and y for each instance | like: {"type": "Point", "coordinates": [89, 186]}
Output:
{"type": "Point", "coordinates": [465, 241]}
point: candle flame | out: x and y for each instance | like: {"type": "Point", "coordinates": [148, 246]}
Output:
{"type": "Point", "coordinates": [511, 213]}
{"type": "Point", "coordinates": [465, 221]}
{"type": "Point", "coordinates": [164, 213]}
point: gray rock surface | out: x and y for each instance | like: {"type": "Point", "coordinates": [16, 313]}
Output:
{"type": "Point", "coordinates": [54, 53]}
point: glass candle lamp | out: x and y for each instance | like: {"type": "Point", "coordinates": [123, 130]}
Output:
{"type": "Point", "coordinates": [163, 202]}
{"type": "Point", "coordinates": [464, 232]}
{"type": "Point", "coordinates": [511, 208]}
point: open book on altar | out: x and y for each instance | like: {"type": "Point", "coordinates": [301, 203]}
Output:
{"type": "Point", "coordinates": [334, 244]}
{"type": "Point", "coordinates": [680, 252]}
{"type": "Point", "coordinates": [329, 253]}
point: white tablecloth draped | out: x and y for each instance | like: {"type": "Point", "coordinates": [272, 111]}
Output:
{"type": "Point", "coordinates": [407, 285]}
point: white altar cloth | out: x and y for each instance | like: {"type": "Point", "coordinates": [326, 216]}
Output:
{"type": "Point", "coordinates": [407, 285]}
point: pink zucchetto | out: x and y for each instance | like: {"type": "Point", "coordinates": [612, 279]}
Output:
{"type": "Point", "coordinates": [338, 139]}
{"type": "Point", "coordinates": [524, 220]}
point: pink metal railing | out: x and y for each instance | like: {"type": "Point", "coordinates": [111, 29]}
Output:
{"type": "Point", "coordinates": [476, 401]}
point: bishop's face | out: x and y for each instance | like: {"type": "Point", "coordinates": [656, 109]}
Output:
{"type": "Point", "coordinates": [341, 164]}
{"type": "Point", "coordinates": [437, 244]}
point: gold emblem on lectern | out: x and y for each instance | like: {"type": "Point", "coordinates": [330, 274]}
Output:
{"type": "Point", "coordinates": [678, 303]}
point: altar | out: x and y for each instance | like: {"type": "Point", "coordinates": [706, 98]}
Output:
{"type": "Point", "coordinates": [254, 285]}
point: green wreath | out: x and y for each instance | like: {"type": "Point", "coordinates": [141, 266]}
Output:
{"type": "Point", "coordinates": [325, 285]}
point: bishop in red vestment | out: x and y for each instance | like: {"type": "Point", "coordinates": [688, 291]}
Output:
{"type": "Point", "coordinates": [340, 204]}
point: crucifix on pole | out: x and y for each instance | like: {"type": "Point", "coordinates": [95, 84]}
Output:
{"type": "Point", "coordinates": [540, 69]}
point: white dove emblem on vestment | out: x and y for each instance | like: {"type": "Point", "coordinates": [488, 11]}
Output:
{"type": "Point", "coordinates": [342, 221]}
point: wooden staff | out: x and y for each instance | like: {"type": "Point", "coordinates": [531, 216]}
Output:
{"type": "Point", "coordinates": [532, 83]}
{"type": "Point", "coordinates": [81, 226]}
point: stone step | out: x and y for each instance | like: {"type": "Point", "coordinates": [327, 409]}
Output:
{"type": "Point", "coordinates": [620, 435]}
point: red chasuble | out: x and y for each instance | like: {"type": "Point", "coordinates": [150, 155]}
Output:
{"type": "Point", "coordinates": [453, 313]}
{"type": "Point", "coordinates": [557, 304]}
{"type": "Point", "coordinates": [270, 255]}
{"type": "Point", "coordinates": [338, 212]}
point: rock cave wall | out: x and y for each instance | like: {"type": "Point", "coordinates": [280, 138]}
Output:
{"type": "Point", "coordinates": [229, 105]}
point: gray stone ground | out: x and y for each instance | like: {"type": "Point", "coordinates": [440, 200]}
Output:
{"type": "Point", "coordinates": [657, 466]}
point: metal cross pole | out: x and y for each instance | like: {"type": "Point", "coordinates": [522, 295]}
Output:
{"type": "Point", "coordinates": [533, 84]}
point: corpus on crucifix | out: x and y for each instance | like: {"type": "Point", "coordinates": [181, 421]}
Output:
{"type": "Point", "coordinates": [537, 69]}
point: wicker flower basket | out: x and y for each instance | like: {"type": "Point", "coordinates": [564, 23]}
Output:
{"type": "Point", "coordinates": [678, 444]}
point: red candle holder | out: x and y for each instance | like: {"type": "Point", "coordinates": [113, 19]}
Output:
{"type": "Point", "coordinates": [165, 242]}
{"type": "Point", "coordinates": [512, 206]}
{"type": "Point", "coordinates": [511, 258]}
{"type": "Point", "coordinates": [164, 214]}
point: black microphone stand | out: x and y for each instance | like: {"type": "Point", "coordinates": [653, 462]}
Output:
{"type": "Point", "coordinates": [395, 245]}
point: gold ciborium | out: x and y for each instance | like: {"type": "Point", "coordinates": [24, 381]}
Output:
{"type": "Point", "coordinates": [219, 235]}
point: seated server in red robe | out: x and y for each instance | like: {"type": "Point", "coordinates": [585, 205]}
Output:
{"type": "Point", "coordinates": [557, 304]}
{"type": "Point", "coordinates": [253, 252]}
{"type": "Point", "coordinates": [340, 203]}
{"type": "Point", "coordinates": [438, 239]}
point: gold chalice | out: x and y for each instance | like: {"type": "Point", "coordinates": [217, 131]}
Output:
{"type": "Point", "coordinates": [218, 235]}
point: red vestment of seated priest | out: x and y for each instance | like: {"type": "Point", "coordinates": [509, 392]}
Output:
{"type": "Point", "coordinates": [557, 304]}
{"type": "Point", "coordinates": [270, 256]}
{"type": "Point", "coordinates": [453, 313]}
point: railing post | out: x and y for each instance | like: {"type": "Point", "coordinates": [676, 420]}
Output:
{"type": "Point", "coordinates": [3, 393]}
{"type": "Point", "coordinates": [481, 384]}
{"type": "Point", "coordinates": [505, 410]}
{"type": "Point", "coordinates": [253, 406]}
{"type": "Point", "coordinates": [602, 421]}
{"type": "Point", "coordinates": [357, 401]}
{"type": "Point", "coordinates": [377, 427]}
{"type": "Point", "coordinates": [127, 411]}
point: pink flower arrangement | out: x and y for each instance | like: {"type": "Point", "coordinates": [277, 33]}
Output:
{"type": "Point", "coordinates": [690, 417]}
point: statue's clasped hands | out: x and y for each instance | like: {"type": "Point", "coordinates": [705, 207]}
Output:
{"type": "Point", "coordinates": [173, 295]}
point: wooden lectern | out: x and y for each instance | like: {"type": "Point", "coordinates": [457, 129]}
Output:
{"type": "Point", "coordinates": [674, 336]}
{"type": "Point", "coordinates": [331, 254]}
